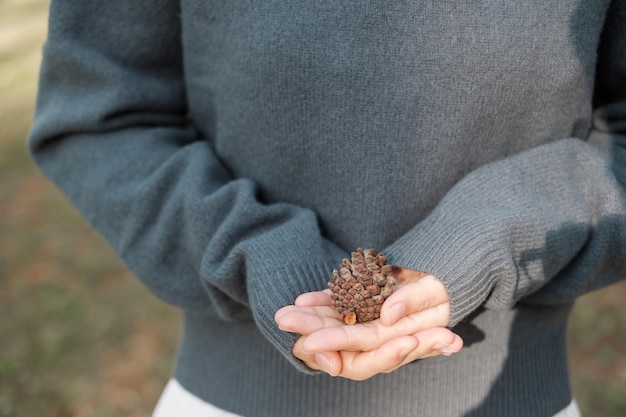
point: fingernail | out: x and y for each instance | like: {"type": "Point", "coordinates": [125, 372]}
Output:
{"type": "Point", "coordinates": [444, 349]}
{"type": "Point", "coordinates": [324, 362]}
{"type": "Point", "coordinates": [396, 312]}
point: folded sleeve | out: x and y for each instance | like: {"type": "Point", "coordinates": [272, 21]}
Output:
{"type": "Point", "coordinates": [543, 226]}
{"type": "Point", "coordinates": [111, 130]}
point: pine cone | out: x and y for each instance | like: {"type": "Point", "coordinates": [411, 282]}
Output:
{"type": "Point", "coordinates": [360, 287]}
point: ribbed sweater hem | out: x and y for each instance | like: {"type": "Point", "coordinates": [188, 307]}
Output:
{"type": "Point", "coordinates": [526, 375]}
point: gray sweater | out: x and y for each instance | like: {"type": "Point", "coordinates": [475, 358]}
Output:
{"type": "Point", "coordinates": [233, 152]}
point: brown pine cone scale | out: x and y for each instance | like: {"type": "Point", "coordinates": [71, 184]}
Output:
{"type": "Point", "coordinates": [361, 286]}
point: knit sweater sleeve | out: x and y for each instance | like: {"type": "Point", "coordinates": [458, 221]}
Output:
{"type": "Point", "coordinates": [543, 226]}
{"type": "Point", "coordinates": [111, 131]}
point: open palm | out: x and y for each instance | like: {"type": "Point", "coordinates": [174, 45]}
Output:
{"type": "Point", "coordinates": [412, 326]}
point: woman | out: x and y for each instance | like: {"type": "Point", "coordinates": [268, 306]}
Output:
{"type": "Point", "coordinates": [232, 153]}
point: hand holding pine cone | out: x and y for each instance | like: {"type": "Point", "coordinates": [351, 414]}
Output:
{"type": "Point", "coordinates": [361, 286]}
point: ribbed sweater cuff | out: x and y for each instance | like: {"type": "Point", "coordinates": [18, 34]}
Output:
{"type": "Point", "coordinates": [293, 265]}
{"type": "Point", "coordinates": [463, 253]}
{"type": "Point", "coordinates": [288, 285]}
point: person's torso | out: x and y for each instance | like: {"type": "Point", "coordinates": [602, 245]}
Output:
{"type": "Point", "coordinates": [374, 109]}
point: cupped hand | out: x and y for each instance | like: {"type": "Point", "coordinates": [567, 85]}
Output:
{"type": "Point", "coordinates": [412, 326]}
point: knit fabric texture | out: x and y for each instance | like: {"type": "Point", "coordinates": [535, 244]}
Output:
{"type": "Point", "coordinates": [232, 153]}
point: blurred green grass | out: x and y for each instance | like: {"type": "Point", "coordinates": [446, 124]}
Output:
{"type": "Point", "coordinates": [81, 337]}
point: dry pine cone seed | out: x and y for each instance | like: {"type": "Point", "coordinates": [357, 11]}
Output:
{"type": "Point", "coordinates": [361, 286]}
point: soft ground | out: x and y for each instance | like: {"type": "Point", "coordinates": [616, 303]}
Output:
{"type": "Point", "coordinates": [80, 337]}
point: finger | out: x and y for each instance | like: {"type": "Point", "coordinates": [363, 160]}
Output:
{"type": "Point", "coordinates": [435, 342]}
{"type": "Point", "coordinates": [310, 299]}
{"type": "Point", "coordinates": [429, 343]}
{"type": "Point", "coordinates": [363, 365]}
{"type": "Point", "coordinates": [417, 296]}
{"type": "Point", "coordinates": [329, 362]}
{"type": "Point", "coordinates": [405, 276]}
{"type": "Point", "coordinates": [399, 352]}
{"type": "Point", "coordinates": [306, 320]}
{"type": "Point", "coordinates": [282, 311]}
{"type": "Point", "coordinates": [372, 335]}
{"type": "Point", "coordinates": [389, 357]}
{"type": "Point", "coordinates": [313, 310]}
{"type": "Point", "coordinates": [316, 298]}
{"type": "Point", "coordinates": [437, 316]}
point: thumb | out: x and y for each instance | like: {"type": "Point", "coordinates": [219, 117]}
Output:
{"type": "Point", "coordinates": [423, 294]}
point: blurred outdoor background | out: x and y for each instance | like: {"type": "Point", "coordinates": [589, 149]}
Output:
{"type": "Point", "coordinates": [79, 336]}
